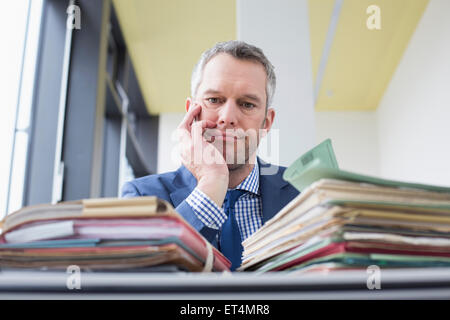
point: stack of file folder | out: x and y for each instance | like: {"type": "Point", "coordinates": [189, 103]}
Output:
{"type": "Point", "coordinates": [143, 233]}
{"type": "Point", "coordinates": [342, 220]}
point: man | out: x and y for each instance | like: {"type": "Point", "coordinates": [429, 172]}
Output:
{"type": "Point", "coordinates": [221, 189]}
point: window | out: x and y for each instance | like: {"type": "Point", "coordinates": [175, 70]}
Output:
{"type": "Point", "coordinates": [18, 64]}
{"type": "Point", "coordinates": [64, 130]}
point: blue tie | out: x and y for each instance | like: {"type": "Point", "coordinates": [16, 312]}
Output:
{"type": "Point", "coordinates": [230, 239]}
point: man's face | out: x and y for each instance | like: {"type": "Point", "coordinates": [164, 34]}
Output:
{"type": "Point", "coordinates": [233, 95]}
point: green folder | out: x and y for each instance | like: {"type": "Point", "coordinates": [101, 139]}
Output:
{"type": "Point", "coordinates": [382, 260]}
{"type": "Point", "coordinates": [320, 163]}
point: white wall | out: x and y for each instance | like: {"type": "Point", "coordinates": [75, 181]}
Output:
{"type": "Point", "coordinates": [354, 138]}
{"type": "Point", "coordinates": [281, 29]}
{"type": "Point", "coordinates": [408, 136]}
{"type": "Point", "coordinates": [414, 114]}
{"type": "Point", "coordinates": [168, 159]}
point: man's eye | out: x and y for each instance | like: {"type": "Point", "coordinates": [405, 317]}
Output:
{"type": "Point", "coordinates": [213, 100]}
{"type": "Point", "coordinates": [248, 105]}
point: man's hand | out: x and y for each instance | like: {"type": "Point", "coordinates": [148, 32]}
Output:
{"type": "Point", "coordinates": [201, 158]}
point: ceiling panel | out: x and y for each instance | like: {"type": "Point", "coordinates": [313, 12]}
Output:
{"type": "Point", "coordinates": [165, 39]}
{"type": "Point", "coordinates": [360, 62]}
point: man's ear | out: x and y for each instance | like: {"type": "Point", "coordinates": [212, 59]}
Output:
{"type": "Point", "coordinates": [188, 103]}
{"type": "Point", "coordinates": [268, 120]}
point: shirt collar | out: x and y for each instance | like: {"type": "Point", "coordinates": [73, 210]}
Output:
{"type": "Point", "coordinates": [251, 183]}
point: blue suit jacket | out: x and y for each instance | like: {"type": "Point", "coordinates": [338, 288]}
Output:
{"type": "Point", "coordinates": [176, 186]}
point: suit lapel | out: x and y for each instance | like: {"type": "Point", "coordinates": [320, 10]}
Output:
{"type": "Point", "coordinates": [181, 186]}
{"type": "Point", "coordinates": [272, 196]}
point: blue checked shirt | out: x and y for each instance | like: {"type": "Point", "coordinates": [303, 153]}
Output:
{"type": "Point", "coordinates": [248, 208]}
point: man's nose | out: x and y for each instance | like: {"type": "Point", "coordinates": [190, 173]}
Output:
{"type": "Point", "coordinates": [228, 114]}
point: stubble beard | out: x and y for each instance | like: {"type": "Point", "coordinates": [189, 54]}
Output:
{"type": "Point", "coordinates": [240, 160]}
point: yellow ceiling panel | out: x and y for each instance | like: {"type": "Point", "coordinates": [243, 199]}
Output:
{"type": "Point", "coordinates": [360, 62]}
{"type": "Point", "coordinates": [165, 39]}
{"type": "Point", "coordinates": [320, 13]}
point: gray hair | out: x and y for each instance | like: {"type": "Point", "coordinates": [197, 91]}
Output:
{"type": "Point", "coordinates": [239, 50]}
